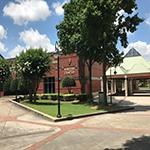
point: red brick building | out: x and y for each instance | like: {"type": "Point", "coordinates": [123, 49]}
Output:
{"type": "Point", "coordinates": [70, 65]}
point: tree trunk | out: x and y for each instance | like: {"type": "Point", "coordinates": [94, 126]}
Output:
{"type": "Point", "coordinates": [104, 84]}
{"type": "Point", "coordinates": [69, 90]}
{"type": "Point", "coordinates": [90, 81]}
{"type": "Point", "coordinates": [82, 78]}
{"type": "Point", "coordinates": [35, 87]}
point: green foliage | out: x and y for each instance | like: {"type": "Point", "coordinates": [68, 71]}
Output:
{"type": "Point", "coordinates": [69, 97]}
{"type": "Point", "coordinates": [82, 97]}
{"type": "Point", "coordinates": [33, 63]}
{"type": "Point", "coordinates": [68, 82]}
{"type": "Point", "coordinates": [6, 87]}
{"type": "Point", "coordinates": [44, 96]}
{"type": "Point", "coordinates": [14, 85]}
{"type": "Point", "coordinates": [92, 29]}
{"type": "Point", "coordinates": [4, 70]}
{"type": "Point", "coordinates": [32, 66]}
{"type": "Point", "coordinates": [22, 86]}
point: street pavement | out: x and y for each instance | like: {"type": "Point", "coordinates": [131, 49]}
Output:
{"type": "Point", "coordinates": [21, 129]}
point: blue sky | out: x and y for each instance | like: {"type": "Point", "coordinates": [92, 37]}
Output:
{"type": "Point", "coordinates": [31, 23]}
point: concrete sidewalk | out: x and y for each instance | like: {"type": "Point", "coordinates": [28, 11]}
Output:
{"type": "Point", "coordinates": [22, 129]}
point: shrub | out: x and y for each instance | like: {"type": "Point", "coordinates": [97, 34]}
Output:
{"type": "Point", "coordinates": [6, 87]}
{"type": "Point", "coordinates": [82, 97]}
{"type": "Point", "coordinates": [69, 97]}
{"type": "Point", "coordinates": [54, 96]}
{"type": "Point", "coordinates": [45, 96]}
{"type": "Point", "coordinates": [68, 82]}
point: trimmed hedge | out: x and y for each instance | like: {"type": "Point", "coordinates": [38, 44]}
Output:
{"type": "Point", "coordinates": [64, 97]}
{"type": "Point", "coordinates": [82, 97]}
{"type": "Point", "coordinates": [69, 97]}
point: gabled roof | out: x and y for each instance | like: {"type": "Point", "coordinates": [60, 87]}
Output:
{"type": "Point", "coordinates": [133, 63]}
{"type": "Point", "coordinates": [132, 53]}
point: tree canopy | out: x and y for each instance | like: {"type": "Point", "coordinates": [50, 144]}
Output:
{"type": "Point", "coordinates": [32, 66]}
{"type": "Point", "coordinates": [92, 28]}
{"type": "Point", "coordinates": [4, 71]}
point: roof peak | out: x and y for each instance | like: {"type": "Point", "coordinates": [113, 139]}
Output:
{"type": "Point", "coordinates": [132, 53]}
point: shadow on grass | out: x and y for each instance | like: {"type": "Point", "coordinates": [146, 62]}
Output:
{"type": "Point", "coordinates": [141, 143]}
{"type": "Point", "coordinates": [42, 103]}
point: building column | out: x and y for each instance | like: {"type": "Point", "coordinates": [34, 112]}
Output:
{"type": "Point", "coordinates": [115, 88]}
{"type": "Point", "coordinates": [130, 87]}
{"type": "Point", "coordinates": [107, 86]}
{"type": "Point", "coordinates": [126, 85]}
{"type": "Point", "coordinates": [112, 88]}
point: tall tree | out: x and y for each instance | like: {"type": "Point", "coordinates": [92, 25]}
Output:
{"type": "Point", "coordinates": [71, 39]}
{"type": "Point", "coordinates": [4, 71]}
{"type": "Point", "coordinates": [94, 28]}
{"type": "Point", "coordinates": [32, 66]}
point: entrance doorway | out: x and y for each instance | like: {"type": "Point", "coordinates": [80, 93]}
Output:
{"type": "Point", "coordinates": [49, 85]}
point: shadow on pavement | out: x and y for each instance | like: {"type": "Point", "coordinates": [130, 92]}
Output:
{"type": "Point", "coordinates": [138, 108]}
{"type": "Point", "coordinates": [141, 143]}
{"type": "Point", "coordinates": [123, 102]}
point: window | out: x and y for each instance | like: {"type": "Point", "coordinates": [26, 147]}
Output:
{"type": "Point", "coordinates": [49, 85]}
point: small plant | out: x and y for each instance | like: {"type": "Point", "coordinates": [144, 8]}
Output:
{"type": "Point", "coordinates": [68, 82]}
{"type": "Point", "coordinates": [69, 97]}
{"type": "Point", "coordinates": [44, 96]}
{"type": "Point", "coordinates": [82, 97]}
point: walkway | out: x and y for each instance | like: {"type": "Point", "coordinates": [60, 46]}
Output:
{"type": "Point", "coordinates": [21, 129]}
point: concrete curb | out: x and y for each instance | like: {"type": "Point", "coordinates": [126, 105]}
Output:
{"type": "Point", "coordinates": [54, 119]}
{"type": "Point", "coordinates": [50, 118]}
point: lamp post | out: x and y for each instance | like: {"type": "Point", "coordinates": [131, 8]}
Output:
{"type": "Point", "coordinates": [58, 81]}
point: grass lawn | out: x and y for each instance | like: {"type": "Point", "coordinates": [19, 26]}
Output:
{"type": "Point", "coordinates": [67, 108]}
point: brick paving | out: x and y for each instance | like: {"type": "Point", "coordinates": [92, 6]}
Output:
{"type": "Point", "coordinates": [25, 130]}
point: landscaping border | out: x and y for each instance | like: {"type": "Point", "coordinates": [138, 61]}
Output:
{"type": "Point", "coordinates": [69, 117]}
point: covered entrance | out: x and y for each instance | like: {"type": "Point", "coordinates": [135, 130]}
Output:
{"type": "Point", "coordinates": [131, 77]}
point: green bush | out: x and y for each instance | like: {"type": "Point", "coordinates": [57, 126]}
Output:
{"type": "Point", "coordinates": [54, 96]}
{"type": "Point", "coordinates": [68, 82]}
{"type": "Point", "coordinates": [14, 85]}
{"type": "Point", "coordinates": [69, 97]}
{"type": "Point", "coordinates": [26, 97]}
{"type": "Point", "coordinates": [45, 96]}
{"type": "Point", "coordinates": [82, 97]}
{"type": "Point", "coordinates": [6, 87]}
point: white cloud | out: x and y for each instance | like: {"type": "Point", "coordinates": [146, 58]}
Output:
{"type": "Point", "coordinates": [147, 20]}
{"type": "Point", "coordinates": [17, 50]}
{"type": "Point", "coordinates": [58, 7]}
{"type": "Point", "coordinates": [142, 47]}
{"type": "Point", "coordinates": [3, 32]}
{"type": "Point", "coordinates": [23, 11]}
{"type": "Point", "coordinates": [32, 38]}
